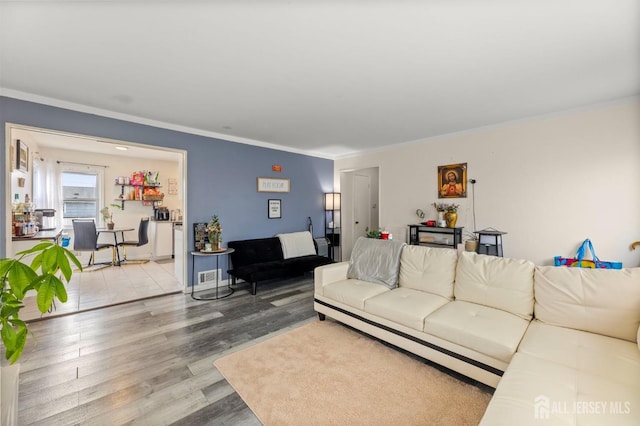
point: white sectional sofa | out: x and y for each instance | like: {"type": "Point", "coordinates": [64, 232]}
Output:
{"type": "Point", "coordinates": [560, 345]}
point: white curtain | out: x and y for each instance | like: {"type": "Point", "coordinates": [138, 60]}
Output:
{"type": "Point", "coordinates": [47, 187]}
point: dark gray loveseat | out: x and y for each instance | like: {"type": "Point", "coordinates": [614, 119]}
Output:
{"type": "Point", "coordinates": [263, 259]}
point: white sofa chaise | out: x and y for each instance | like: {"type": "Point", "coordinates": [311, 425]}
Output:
{"type": "Point", "coordinates": [573, 344]}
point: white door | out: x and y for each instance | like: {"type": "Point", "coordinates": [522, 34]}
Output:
{"type": "Point", "coordinates": [361, 205]}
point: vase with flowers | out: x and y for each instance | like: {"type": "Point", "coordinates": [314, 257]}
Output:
{"type": "Point", "coordinates": [214, 231]}
{"type": "Point", "coordinates": [448, 213]}
{"type": "Point", "coordinates": [451, 216]}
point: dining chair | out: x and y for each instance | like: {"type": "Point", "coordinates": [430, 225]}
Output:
{"type": "Point", "coordinates": [85, 238]}
{"type": "Point", "coordinates": [143, 238]}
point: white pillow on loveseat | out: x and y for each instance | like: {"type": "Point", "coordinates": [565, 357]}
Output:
{"type": "Point", "coordinates": [296, 244]}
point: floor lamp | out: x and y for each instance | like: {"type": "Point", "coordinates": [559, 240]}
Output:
{"type": "Point", "coordinates": [332, 223]}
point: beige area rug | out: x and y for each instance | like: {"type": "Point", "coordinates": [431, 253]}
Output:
{"type": "Point", "coordinates": [324, 373]}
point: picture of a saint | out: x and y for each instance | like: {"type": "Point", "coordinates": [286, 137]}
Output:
{"type": "Point", "coordinates": [452, 181]}
{"type": "Point", "coordinates": [452, 187]}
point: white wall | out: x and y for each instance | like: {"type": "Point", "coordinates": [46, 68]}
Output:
{"type": "Point", "coordinates": [549, 182]}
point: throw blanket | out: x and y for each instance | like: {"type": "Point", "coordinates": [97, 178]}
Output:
{"type": "Point", "coordinates": [296, 244]}
{"type": "Point", "coordinates": [376, 261]}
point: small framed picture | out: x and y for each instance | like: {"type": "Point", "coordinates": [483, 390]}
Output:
{"type": "Point", "coordinates": [22, 156]}
{"type": "Point", "coordinates": [452, 181]}
{"type": "Point", "coordinates": [275, 209]}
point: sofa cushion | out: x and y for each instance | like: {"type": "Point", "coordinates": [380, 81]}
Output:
{"type": "Point", "coordinates": [600, 355]}
{"type": "Point", "coordinates": [376, 261]}
{"type": "Point", "coordinates": [534, 391]}
{"type": "Point", "coordinates": [260, 271]}
{"type": "Point", "coordinates": [405, 306]}
{"type": "Point", "coordinates": [428, 269]}
{"type": "Point", "coordinates": [295, 244]}
{"type": "Point", "coordinates": [248, 252]}
{"type": "Point", "coordinates": [352, 292]}
{"type": "Point", "coordinates": [490, 331]}
{"type": "Point", "coordinates": [496, 282]}
{"type": "Point", "coordinates": [302, 264]}
{"type": "Point", "coordinates": [602, 301]}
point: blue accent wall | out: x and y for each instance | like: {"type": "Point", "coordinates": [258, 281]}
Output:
{"type": "Point", "coordinates": [221, 175]}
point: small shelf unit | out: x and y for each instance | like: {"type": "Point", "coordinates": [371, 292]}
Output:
{"type": "Point", "coordinates": [434, 236]}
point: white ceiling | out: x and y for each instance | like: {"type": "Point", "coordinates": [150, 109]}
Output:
{"type": "Point", "coordinates": [63, 141]}
{"type": "Point", "coordinates": [327, 78]}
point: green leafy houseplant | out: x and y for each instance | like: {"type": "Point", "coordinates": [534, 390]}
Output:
{"type": "Point", "coordinates": [214, 229]}
{"type": "Point", "coordinates": [18, 278]}
{"type": "Point", "coordinates": [107, 215]}
{"type": "Point", "coordinates": [375, 233]}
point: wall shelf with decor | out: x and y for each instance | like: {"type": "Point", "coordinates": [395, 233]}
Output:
{"type": "Point", "coordinates": [435, 236]}
{"type": "Point", "coordinates": [141, 193]}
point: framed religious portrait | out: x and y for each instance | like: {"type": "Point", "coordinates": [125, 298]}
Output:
{"type": "Point", "coordinates": [452, 181]}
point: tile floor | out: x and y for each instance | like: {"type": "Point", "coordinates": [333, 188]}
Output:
{"type": "Point", "coordinates": [111, 285]}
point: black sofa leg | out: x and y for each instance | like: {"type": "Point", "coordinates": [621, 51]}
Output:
{"type": "Point", "coordinates": [321, 317]}
{"type": "Point", "coordinates": [254, 288]}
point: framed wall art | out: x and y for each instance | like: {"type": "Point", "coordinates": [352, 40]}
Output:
{"type": "Point", "coordinates": [452, 181]}
{"type": "Point", "coordinates": [273, 185]}
{"type": "Point", "coordinates": [275, 209]}
{"type": "Point", "coordinates": [200, 236]}
{"type": "Point", "coordinates": [22, 156]}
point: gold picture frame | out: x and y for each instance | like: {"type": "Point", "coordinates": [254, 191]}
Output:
{"type": "Point", "coordinates": [452, 181]}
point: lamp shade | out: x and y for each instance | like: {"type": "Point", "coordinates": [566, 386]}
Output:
{"type": "Point", "coordinates": [332, 201]}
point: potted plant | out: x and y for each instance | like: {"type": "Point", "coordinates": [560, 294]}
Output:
{"type": "Point", "coordinates": [471, 241]}
{"type": "Point", "coordinates": [375, 233]}
{"type": "Point", "coordinates": [214, 229]}
{"type": "Point", "coordinates": [107, 215]}
{"type": "Point", "coordinates": [18, 278]}
{"type": "Point", "coordinates": [50, 265]}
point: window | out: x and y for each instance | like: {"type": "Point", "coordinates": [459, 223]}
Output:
{"type": "Point", "coordinates": [81, 195]}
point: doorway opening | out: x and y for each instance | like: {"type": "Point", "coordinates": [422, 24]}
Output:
{"type": "Point", "coordinates": [52, 152]}
{"type": "Point", "coordinates": [360, 205]}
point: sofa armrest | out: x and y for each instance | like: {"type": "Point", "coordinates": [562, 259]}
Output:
{"type": "Point", "coordinates": [327, 274]}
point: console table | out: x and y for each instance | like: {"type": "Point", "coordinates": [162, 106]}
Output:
{"type": "Point", "coordinates": [435, 236]}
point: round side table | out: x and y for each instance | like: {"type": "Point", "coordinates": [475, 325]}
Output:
{"type": "Point", "coordinates": [217, 255]}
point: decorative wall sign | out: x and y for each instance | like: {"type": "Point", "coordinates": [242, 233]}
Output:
{"type": "Point", "coordinates": [275, 209]}
{"type": "Point", "coordinates": [452, 181]}
{"type": "Point", "coordinates": [22, 156]}
{"type": "Point", "coordinates": [273, 185]}
{"type": "Point", "coordinates": [173, 186]}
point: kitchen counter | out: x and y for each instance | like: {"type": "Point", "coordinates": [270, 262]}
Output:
{"type": "Point", "coordinates": [52, 235]}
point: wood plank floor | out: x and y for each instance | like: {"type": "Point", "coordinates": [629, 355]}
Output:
{"type": "Point", "coordinates": [151, 362]}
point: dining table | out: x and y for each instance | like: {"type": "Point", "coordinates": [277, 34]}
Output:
{"type": "Point", "coordinates": [115, 231]}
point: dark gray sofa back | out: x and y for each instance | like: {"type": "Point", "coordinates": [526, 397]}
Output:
{"type": "Point", "coordinates": [257, 250]}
